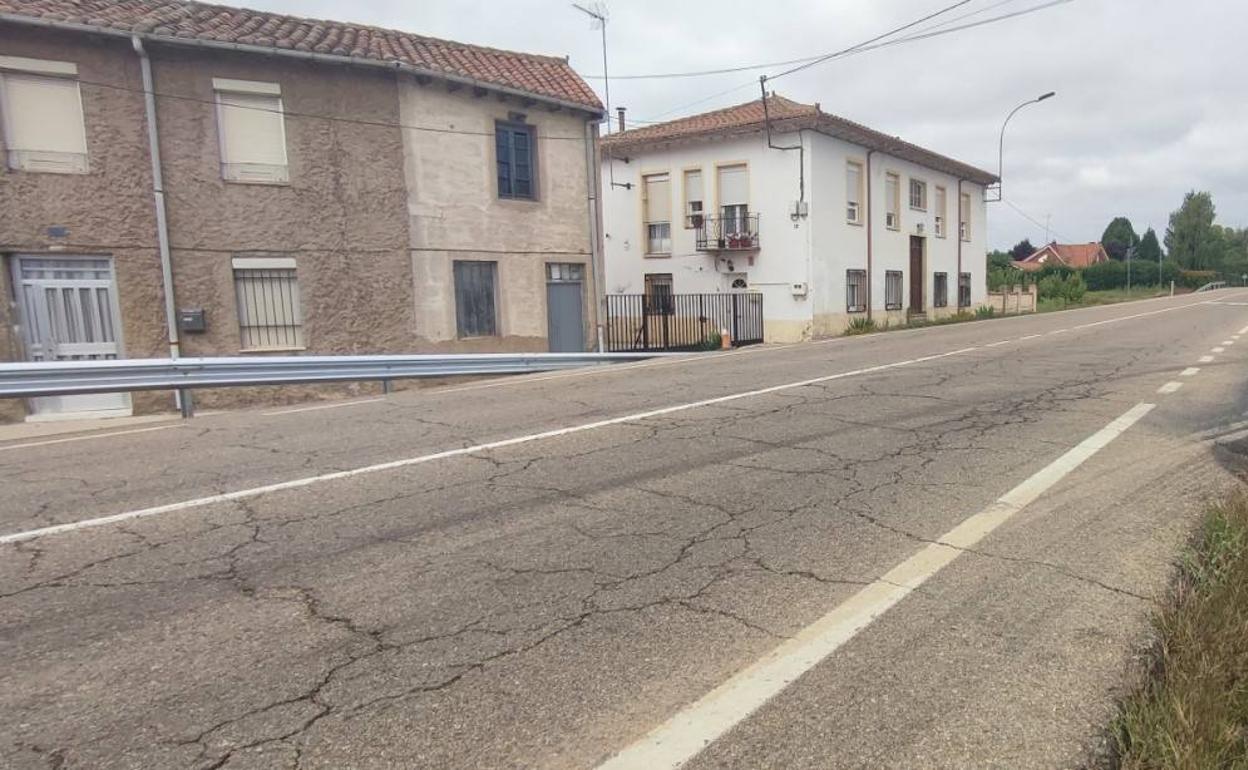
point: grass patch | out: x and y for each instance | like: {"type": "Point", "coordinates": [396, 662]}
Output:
{"type": "Point", "coordinates": [1192, 712]}
{"type": "Point", "coordinates": [1105, 297]}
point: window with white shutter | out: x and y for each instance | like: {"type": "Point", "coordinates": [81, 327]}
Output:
{"type": "Point", "coordinates": [853, 192]}
{"type": "Point", "coordinates": [252, 130]}
{"type": "Point", "coordinates": [656, 190]}
{"type": "Point", "coordinates": [41, 108]}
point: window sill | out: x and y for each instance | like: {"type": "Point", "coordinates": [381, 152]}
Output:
{"type": "Point", "coordinates": [857, 309]}
{"type": "Point", "coordinates": [258, 182]}
{"type": "Point", "coordinates": [854, 222]}
{"type": "Point", "coordinates": [916, 208]}
{"type": "Point", "coordinates": [517, 200]}
{"type": "Point", "coordinates": [892, 307]}
{"type": "Point", "coordinates": [895, 229]}
{"type": "Point", "coordinates": [295, 349]}
{"type": "Point", "coordinates": [658, 255]}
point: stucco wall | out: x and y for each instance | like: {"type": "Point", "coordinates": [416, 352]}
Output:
{"type": "Point", "coordinates": [106, 212]}
{"type": "Point", "coordinates": [341, 216]}
{"type": "Point", "coordinates": [455, 212]}
{"type": "Point", "coordinates": [816, 250]}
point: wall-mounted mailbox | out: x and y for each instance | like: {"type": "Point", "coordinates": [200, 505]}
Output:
{"type": "Point", "coordinates": [191, 320]}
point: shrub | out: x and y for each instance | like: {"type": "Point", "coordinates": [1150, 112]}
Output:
{"type": "Point", "coordinates": [712, 341]}
{"type": "Point", "coordinates": [1052, 286]}
{"type": "Point", "coordinates": [1105, 275]}
{"type": "Point", "coordinates": [985, 311]}
{"type": "Point", "coordinates": [1074, 288]}
{"type": "Point", "coordinates": [860, 325]}
{"type": "Point", "coordinates": [1194, 279]}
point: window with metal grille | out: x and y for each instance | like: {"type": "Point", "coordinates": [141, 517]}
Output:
{"type": "Point", "coordinates": [855, 291]}
{"type": "Point", "coordinates": [892, 290]}
{"type": "Point", "coordinates": [659, 293]}
{"type": "Point", "coordinates": [940, 292]}
{"type": "Point", "coordinates": [269, 314]}
{"type": "Point", "coordinates": [517, 165]}
{"type": "Point", "coordinates": [964, 290]}
{"type": "Point", "coordinates": [475, 293]}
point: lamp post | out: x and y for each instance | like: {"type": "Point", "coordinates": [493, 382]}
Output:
{"type": "Point", "coordinates": [1001, 142]}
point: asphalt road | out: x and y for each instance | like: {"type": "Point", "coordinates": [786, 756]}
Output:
{"type": "Point", "coordinates": [929, 548]}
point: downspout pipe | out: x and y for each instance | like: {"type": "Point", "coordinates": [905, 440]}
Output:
{"type": "Point", "coordinates": [595, 219]}
{"type": "Point", "coordinates": [162, 220]}
{"type": "Point", "coordinates": [870, 225]}
{"type": "Point", "coordinates": [958, 234]}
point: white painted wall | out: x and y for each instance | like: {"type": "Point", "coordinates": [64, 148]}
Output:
{"type": "Point", "coordinates": [816, 250]}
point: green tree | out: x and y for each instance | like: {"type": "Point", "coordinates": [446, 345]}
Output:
{"type": "Point", "coordinates": [1149, 249]}
{"type": "Point", "coordinates": [1118, 237]}
{"type": "Point", "coordinates": [1190, 237]}
{"type": "Point", "coordinates": [1022, 249]}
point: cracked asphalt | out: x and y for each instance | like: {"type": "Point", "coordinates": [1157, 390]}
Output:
{"type": "Point", "coordinates": [545, 604]}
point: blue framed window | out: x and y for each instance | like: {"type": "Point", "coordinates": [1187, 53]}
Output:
{"type": "Point", "coordinates": [517, 172]}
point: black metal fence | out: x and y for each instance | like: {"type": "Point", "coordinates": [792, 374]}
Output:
{"type": "Point", "coordinates": [663, 321]}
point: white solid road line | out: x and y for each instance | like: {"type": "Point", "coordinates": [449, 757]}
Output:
{"type": "Point", "coordinates": [335, 405]}
{"type": "Point", "coordinates": [1189, 371]}
{"type": "Point", "coordinates": [459, 452]}
{"type": "Point", "coordinates": [29, 444]}
{"type": "Point", "coordinates": [240, 494]}
{"type": "Point", "coordinates": [1169, 387]}
{"type": "Point", "coordinates": [685, 735]}
{"type": "Point", "coordinates": [1205, 360]}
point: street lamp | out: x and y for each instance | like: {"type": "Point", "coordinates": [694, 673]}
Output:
{"type": "Point", "coordinates": [1001, 143]}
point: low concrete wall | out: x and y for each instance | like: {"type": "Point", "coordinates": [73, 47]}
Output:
{"type": "Point", "coordinates": [1013, 300]}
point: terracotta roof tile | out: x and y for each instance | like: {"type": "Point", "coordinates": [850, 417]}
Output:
{"type": "Point", "coordinates": [786, 115]}
{"type": "Point", "coordinates": [542, 76]}
{"type": "Point", "coordinates": [1076, 255]}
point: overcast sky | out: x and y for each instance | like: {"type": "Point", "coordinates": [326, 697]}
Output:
{"type": "Point", "coordinates": [1152, 94]}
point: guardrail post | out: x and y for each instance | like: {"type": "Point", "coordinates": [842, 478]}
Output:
{"type": "Point", "coordinates": [186, 403]}
{"type": "Point", "coordinates": [387, 387]}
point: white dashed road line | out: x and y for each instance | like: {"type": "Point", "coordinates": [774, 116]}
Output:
{"type": "Point", "coordinates": [1205, 360]}
{"type": "Point", "coordinates": [1189, 371]}
{"type": "Point", "coordinates": [695, 727]}
{"type": "Point", "coordinates": [1228, 342]}
{"type": "Point", "coordinates": [1170, 387]}
{"type": "Point", "coordinates": [1218, 349]}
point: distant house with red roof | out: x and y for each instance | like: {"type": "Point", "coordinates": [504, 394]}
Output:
{"type": "Point", "coordinates": [1073, 255]}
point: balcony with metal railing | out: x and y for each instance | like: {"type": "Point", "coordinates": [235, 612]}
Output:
{"type": "Point", "coordinates": [734, 232]}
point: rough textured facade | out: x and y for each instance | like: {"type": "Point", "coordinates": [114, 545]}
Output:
{"type": "Point", "coordinates": [374, 213]}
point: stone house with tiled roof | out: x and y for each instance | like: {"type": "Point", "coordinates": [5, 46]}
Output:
{"type": "Point", "coordinates": [829, 219]}
{"type": "Point", "coordinates": [1073, 255]}
{"type": "Point", "coordinates": [324, 187]}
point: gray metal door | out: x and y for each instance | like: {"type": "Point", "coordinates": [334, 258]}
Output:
{"type": "Point", "coordinates": [69, 312]}
{"type": "Point", "coordinates": [565, 315]}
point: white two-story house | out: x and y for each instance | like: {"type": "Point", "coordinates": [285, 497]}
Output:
{"type": "Point", "coordinates": [828, 219]}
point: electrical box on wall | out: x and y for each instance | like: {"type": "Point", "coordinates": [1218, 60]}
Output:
{"type": "Point", "coordinates": [192, 320]}
{"type": "Point", "coordinates": [800, 210]}
{"type": "Point", "coordinates": [800, 289]}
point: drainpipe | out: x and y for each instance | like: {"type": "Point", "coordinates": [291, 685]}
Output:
{"type": "Point", "coordinates": [870, 206]}
{"type": "Point", "coordinates": [958, 233]}
{"type": "Point", "coordinates": [595, 247]}
{"type": "Point", "coordinates": [162, 222]}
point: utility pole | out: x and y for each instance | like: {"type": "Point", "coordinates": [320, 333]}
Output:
{"type": "Point", "coordinates": [1047, 217]}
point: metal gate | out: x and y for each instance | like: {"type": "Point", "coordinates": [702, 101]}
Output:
{"type": "Point", "coordinates": [69, 312]}
{"type": "Point", "coordinates": [565, 314]}
{"type": "Point", "coordinates": [664, 321]}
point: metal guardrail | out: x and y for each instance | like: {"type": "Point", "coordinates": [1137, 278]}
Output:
{"type": "Point", "coordinates": [63, 378]}
{"type": "Point", "coordinates": [1213, 285]}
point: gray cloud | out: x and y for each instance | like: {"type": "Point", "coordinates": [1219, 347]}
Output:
{"type": "Point", "coordinates": [1152, 94]}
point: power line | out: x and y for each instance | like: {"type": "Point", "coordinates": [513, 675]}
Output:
{"type": "Point", "coordinates": [313, 116]}
{"type": "Point", "coordinates": [866, 46]}
{"type": "Point", "coordinates": [875, 39]}
{"type": "Point", "coordinates": [1035, 221]}
{"type": "Point", "coordinates": [768, 65]}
